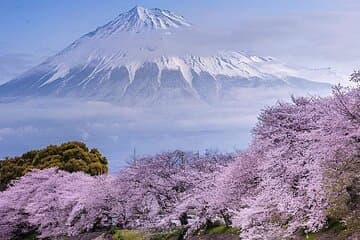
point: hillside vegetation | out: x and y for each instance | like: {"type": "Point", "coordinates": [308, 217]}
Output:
{"type": "Point", "coordinates": [70, 156]}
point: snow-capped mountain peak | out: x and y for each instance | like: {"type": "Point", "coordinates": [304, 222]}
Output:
{"type": "Point", "coordinates": [139, 58]}
{"type": "Point", "coordinates": [140, 19]}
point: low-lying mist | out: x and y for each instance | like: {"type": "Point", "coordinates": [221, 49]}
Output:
{"type": "Point", "coordinates": [120, 131]}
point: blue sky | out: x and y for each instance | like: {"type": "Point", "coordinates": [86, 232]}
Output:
{"type": "Point", "coordinates": [318, 33]}
{"type": "Point", "coordinates": [48, 25]}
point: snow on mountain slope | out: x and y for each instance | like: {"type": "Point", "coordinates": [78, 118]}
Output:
{"type": "Point", "coordinates": [140, 19]}
{"type": "Point", "coordinates": [142, 57]}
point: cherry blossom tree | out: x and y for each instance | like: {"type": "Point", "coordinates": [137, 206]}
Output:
{"type": "Point", "coordinates": [295, 146]}
{"type": "Point", "coordinates": [297, 171]}
{"type": "Point", "coordinates": [159, 183]}
{"type": "Point", "coordinates": [57, 203]}
{"type": "Point", "coordinates": [281, 183]}
{"type": "Point", "coordinates": [43, 200]}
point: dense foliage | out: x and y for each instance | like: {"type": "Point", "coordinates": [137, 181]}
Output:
{"type": "Point", "coordinates": [70, 156]}
{"type": "Point", "coordinates": [300, 174]}
{"type": "Point", "coordinates": [54, 203]}
{"type": "Point", "coordinates": [302, 166]}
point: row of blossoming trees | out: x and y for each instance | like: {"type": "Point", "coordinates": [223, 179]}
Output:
{"type": "Point", "coordinates": [301, 169]}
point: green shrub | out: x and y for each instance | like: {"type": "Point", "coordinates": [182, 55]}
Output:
{"type": "Point", "coordinates": [139, 235]}
{"type": "Point", "coordinates": [175, 234]}
{"type": "Point", "coordinates": [221, 229]}
{"type": "Point", "coordinates": [128, 235]}
{"type": "Point", "coordinates": [344, 195]}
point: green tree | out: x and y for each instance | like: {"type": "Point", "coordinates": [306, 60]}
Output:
{"type": "Point", "coordinates": [70, 156]}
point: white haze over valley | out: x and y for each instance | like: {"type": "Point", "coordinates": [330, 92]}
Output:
{"type": "Point", "coordinates": [117, 131]}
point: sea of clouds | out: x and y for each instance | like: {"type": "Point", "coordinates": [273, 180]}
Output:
{"type": "Point", "coordinates": [118, 131]}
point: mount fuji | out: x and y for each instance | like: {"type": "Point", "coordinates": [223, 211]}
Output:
{"type": "Point", "coordinates": [147, 56]}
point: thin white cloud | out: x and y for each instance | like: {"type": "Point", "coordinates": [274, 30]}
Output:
{"type": "Point", "coordinates": [311, 39]}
